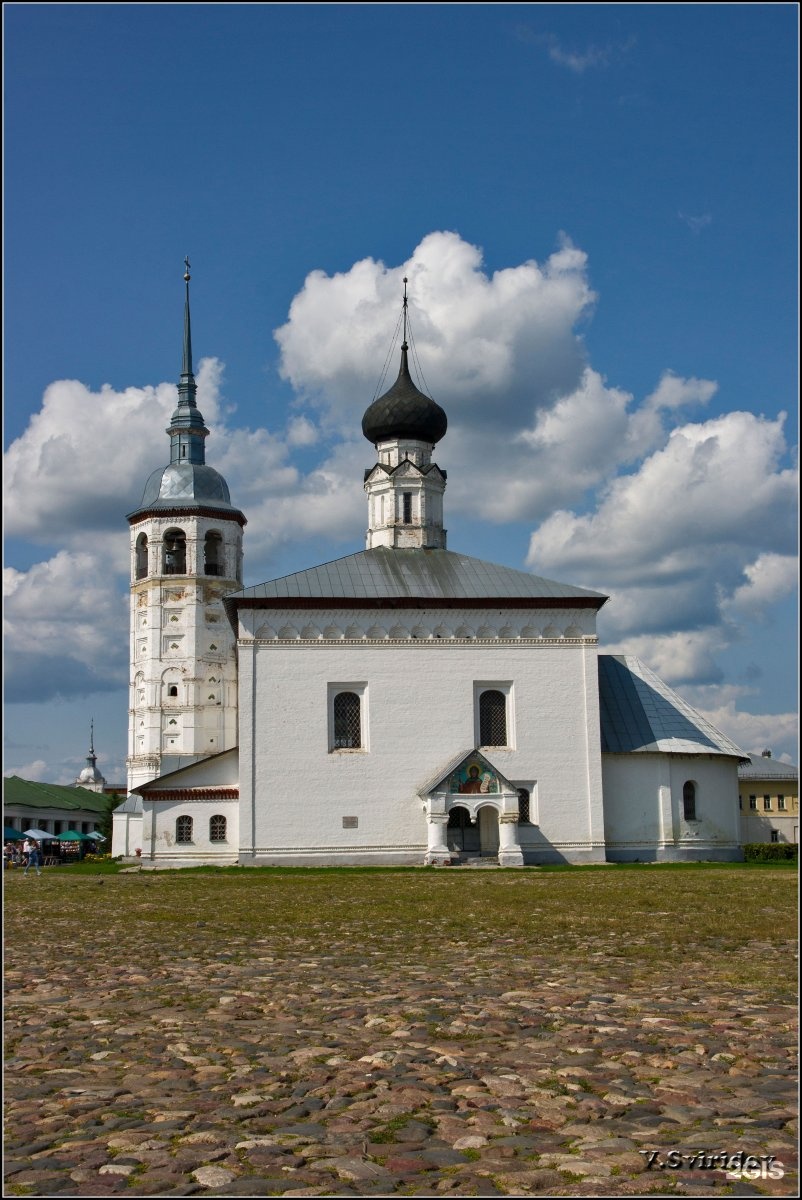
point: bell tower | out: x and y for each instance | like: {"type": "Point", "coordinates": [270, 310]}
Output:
{"type": "Point", "coordinates": [186, 555]}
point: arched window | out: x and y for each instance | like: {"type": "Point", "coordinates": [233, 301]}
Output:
{"type": "Point", "coordinates": [523, 806]}
{"type": "Point", "coordinates": [492, 719]}
{"type": "Point", "coordinates": [213, 554]}
{"type": "Point", "coordinates": [141, 556]}
{"type": "Point", "coordinates": [172, 690]}
{"type": "Point", "coordinates": [217, 829]}
{"type": "Point", "coordinates": [175, 552]}
{"type": "Point", "coordinates": [689, 801]}
{"type": "Point", "coordinates": [347, 721]}
{"type": "Point", "coordinates": [183, 830]}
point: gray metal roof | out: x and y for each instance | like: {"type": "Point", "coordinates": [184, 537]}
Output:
{"type": "Point", "coordinates": [383, 573]}
{"type": "Point", "coordinates": [639, 712]}
{"type": "Point", "coordinates": [767, 768]}
{"type": "Point", "coordinates": [186, 483]}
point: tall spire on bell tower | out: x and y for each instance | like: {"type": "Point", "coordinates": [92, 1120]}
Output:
{"type": "Point", "coordinates": [187, 430]}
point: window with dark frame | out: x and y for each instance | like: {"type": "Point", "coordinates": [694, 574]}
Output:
{"type": "Point", "coordinates": [753, 802]}
{"type": "Point", "coordinates": [781, 803]}
{"type": "Point", "coordinates": [689, 801]}
{"type": "Point", "coordinates": [492, 718]}
{"type": "Point", "coordinates": [217, 828]}
{"type": "Point", "coordinates": [407, 507]}
{"type": "Point", "coordinates": [775, 837]}
{"type": "Point", "coordinates": [183, 830]}
{"type": "Point", "coordinates": [523, 806]}
{"type": "Point", "coordinates": [347, 721]}
{"type": "Point", "coordinates": [767, 803]}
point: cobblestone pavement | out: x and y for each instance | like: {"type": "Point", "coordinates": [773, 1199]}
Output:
{"type": "Point", "coordinates": [163, 1050]}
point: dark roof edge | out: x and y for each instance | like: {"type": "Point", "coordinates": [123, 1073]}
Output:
{"type": "Point", "coordinates": [183, 510]}
{"type": "Point", "coordinates": [415, 602]}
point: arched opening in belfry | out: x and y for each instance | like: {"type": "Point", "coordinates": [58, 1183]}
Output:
{"type": "Point", "coordinates": [141, 556]}
{"type": "Point", "coordinates": [213, 554]}
{"type": "Point", "coordinates": [175, 552]}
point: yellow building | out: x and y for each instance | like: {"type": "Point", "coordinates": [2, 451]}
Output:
{"type": "Point", "coordinates": [768, 798]}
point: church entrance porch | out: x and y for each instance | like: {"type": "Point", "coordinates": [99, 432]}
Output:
{"type": "Point", "coordinates": [472, 814]}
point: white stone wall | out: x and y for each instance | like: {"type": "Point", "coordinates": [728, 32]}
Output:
{"type": "Point", "coordinates": [159, 844]}
{"type": "Point", "coordinates": [126, 834]}
{"type": "Point", "coordinates": [644, 810]}
{"type": "Point", "coordinates": [182, 639]}
{"type": "Point", "coordinates": [419, 698]}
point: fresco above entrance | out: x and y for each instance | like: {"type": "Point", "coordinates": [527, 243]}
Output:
{"type": "Point", "coordinates": [472, 778]}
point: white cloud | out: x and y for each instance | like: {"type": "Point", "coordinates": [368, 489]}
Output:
{"type": "Point", "coordinates": [707, 499]}
{"type": "Point", "coordinates": [37, 771]}
{"type": "Point", "coordinates": [302, 432]}
{"type": "Point", "coordinates": [755, 732]}
{"type": "Point", "coordinates": [769, 578]}
{"type": "Point", "coordinates": [493, 347]}
{"type": "Point", "coordinates": [65, 629]}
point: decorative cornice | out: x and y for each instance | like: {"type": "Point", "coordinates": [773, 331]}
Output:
{"type": "Point", "coordinates": [222, 793]}
{"type": "Point", "coordinates": [188, 510]}
{"type": "Point", "coordinates": [410, 641]}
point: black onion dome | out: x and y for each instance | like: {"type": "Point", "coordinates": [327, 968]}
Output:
{"type": "Point", "coordinates": [404, 412]}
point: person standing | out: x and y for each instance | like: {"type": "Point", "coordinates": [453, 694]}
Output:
{"type": "Point", "coordinates": [34, 857]}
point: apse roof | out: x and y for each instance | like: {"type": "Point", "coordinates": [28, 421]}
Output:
{"type": "Point", "coordinates": [639, 712]}
{"type": "Point", "coordinates": [385, 573]}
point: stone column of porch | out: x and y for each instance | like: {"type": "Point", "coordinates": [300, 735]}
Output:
{"type": "Point", "coordinates": [437, 851]}
{"type": "Point", "coordinates": [509, 849]}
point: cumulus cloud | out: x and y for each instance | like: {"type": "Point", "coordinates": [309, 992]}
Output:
{"type": "Point", "coordinates": [495, 347]}
{"type": "Point", "coordinates": [65, 626]}
{"type": "Point", "coordinates": [768, 579]}
{"type": "Point", "coordinates": [716, 487]}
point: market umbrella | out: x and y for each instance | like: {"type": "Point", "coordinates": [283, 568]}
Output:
{"type": "Point", "coordinates": [41, 835]}
{"type": "Point", "coordinates": [72, 835]}
{"type": "Point", "coordinates": [96, 837]}
{"type": "Point", "coordinates": [12, 835]}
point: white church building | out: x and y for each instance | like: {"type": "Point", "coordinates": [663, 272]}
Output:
{"type": "Point", "coordinates": [407, 704]}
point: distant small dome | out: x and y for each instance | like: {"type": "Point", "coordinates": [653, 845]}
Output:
{"type": "Point", "coordinates": [90, 775]}
{"type": "Point", "coordinates": [404, 412]}
{"type": "Point", "coordinates": [186, 483]}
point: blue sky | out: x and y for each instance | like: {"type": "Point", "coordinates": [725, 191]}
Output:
{"type": "Point", "coordinates": [597, 207]}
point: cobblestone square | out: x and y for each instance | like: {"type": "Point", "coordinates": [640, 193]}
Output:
{"type": "Point", "coordinates": [592, 1032]}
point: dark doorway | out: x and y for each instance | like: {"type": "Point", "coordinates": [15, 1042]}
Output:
{"type": "Point", "coordinates": [461, 835]}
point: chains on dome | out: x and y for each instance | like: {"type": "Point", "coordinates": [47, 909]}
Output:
{"type": "Point", "coordinates": [383, 375]}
